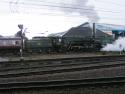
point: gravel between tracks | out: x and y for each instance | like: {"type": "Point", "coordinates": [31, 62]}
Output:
{"type": "Point", "coordinates": [49, 56]}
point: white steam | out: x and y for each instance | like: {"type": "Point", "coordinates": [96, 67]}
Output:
{"type": "Point", "coordinates": [118, 45]}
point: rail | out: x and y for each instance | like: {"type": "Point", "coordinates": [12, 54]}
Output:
{"type": "Point", "coordinates": [63, 83]}
{"type": "Point", "coordinates": [59, 69]}
{"type": "Point", "coordinates": [15, 65]}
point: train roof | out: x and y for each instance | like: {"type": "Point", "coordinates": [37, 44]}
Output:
{"type": "Point", "coordinates": [8, 38]}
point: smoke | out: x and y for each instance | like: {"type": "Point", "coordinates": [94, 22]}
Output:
{"type": "Point", "coordinates": [81, 7]}
{"type": "Point", "coordinates": [118, 45]}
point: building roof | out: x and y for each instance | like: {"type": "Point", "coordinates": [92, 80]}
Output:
{"type": "Point", "coordinates": [107, 27]}
{"type": "Point", "coordinates": [84, 30]}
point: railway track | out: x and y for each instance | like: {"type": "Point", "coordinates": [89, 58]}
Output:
{"type": "Point", "coordinates": [29, 76]}
{"type": "Point", "coordinates": [25, 73]}
{"type": "Point", "coordinates": [63, 83]}
{"type": "Point", "coordinates": [57, 69]}
{"type": "Point", "coordinates": [70, 66]}
{"type": "Point", "coordinates": [15, 65]}
{"type": "Point", "coordinates": [110, 57]}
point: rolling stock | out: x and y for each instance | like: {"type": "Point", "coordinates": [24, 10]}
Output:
{"type": "Point", "coordinates": [60, 45]}
{"type": "Point", "coordinates": [10, 44]}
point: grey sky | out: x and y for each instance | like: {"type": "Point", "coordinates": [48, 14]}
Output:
{"type": "Point", "coordinates": [44, 15]}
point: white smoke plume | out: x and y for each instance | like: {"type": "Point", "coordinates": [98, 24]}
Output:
{"type": "Point", "coordinates": [118, 45]}
{"type": "Point", "coordinates": [82, 7]}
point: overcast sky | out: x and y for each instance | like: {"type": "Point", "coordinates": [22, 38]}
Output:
{"type": "Point", "coordinates": [51, 16]}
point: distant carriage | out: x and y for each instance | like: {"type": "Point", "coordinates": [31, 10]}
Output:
{"type": "Point", "coordinates": [10, 44]}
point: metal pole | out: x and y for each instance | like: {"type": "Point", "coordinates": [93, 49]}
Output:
{"type": "Point", "coordinates": [21, 43]}
{"type": "Point", "coordinates": [94, 31]}
{"type": "Point", "coordinates": [21, 35]}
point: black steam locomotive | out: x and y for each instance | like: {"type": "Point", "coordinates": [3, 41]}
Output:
{"type": "Point", "coordinates": [60, 44]}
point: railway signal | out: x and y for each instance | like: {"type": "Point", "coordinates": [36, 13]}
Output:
{"type": "Point", "coordinates": [21, 35]}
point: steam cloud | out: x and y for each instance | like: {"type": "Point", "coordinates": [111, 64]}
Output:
{"type": "Point", "coordinates": [85, 10]}
{"type": "Point", "coordinates": [118, 45]}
